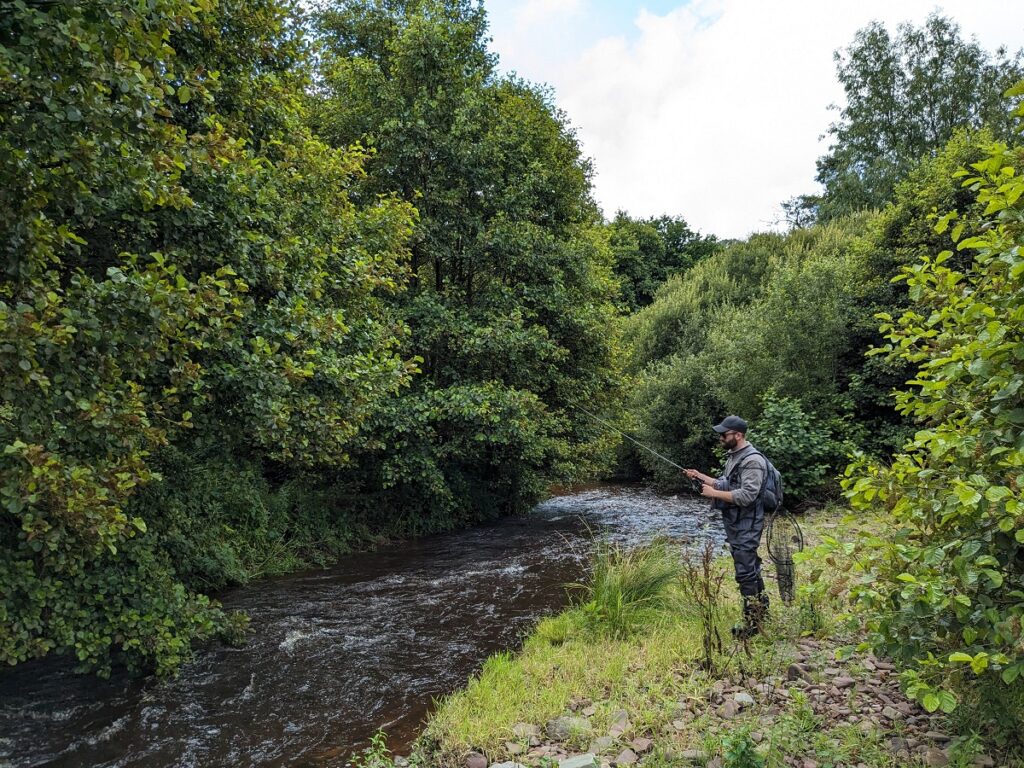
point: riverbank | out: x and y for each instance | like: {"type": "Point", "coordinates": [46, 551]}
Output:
{"type": "Point", "coordinates": [796, 696]}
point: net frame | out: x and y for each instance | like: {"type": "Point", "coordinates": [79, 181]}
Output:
{"type": "Point", "coordinates": [784, 537]}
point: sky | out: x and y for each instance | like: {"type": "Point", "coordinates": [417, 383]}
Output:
{"type": "Point", "coordinates": [713, 110]}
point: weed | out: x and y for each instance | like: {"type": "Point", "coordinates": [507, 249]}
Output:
{"type": "Point", "coordinates": [377, 755]}
{"type": "Point", "coordinates": [739, 750]}
{"type": "Point", "coordinates": [702, 581]}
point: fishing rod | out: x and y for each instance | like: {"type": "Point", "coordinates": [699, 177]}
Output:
{"type": "Point", "coordinates": [631, 439]}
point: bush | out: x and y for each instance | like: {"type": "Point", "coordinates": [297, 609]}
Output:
{"type": "Point", "coordinates": [946, 588]}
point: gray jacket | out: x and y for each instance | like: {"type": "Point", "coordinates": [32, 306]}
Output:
{"type": "Point", "coordinates": [745, 473]}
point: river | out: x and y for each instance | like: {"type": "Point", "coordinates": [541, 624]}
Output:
{"type": "Point", "coordinates": [336, 654]}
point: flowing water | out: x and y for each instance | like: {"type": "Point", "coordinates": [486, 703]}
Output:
{"type": "Point", "coordinates": [336, 654]}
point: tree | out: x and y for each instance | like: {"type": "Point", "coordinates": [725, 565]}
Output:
{"type": "Point", "coordinates": [182, 267]}
{"type": "Point", "coordinates": [510, 298]}
{"type": "Point", "coordinates": [906, 95]}
{"type": "Point", "coordinates": [648, 251]}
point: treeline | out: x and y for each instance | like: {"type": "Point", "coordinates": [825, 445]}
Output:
{"type": "Point", "coordinates": [275, 285]}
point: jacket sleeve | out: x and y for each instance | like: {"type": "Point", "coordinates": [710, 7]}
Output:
{"type": "Point", "coordinates": [752, 476]}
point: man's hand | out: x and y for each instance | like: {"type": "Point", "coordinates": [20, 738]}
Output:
{"type": "Point", "coordinates": [694, 474]}
{"type": "Point", "coordinates": [708, 491]}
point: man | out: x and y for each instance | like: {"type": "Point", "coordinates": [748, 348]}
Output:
{"type": "Point", "coordinates": [738, 494]}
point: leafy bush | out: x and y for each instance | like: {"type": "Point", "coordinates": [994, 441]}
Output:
{"type": "Point", "coordinates": [946, 593]}
{"type": "Point", "coordinates": [799, 447]}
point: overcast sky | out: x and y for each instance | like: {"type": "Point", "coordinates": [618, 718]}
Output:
{"type": "Point", "coordinates": [710, 109]}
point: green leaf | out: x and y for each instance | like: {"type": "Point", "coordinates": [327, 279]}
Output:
{"type": "Point", "coordinates": [184, 94]}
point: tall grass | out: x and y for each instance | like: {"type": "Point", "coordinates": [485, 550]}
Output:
{"type": "Point", "coordinates": [629, 588]}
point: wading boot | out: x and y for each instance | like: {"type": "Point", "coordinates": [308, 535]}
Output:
{"type": "Point", "coordinates": [755, 611]}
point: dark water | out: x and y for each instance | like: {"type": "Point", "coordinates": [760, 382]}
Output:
{"type": "Point", "coordinates": [339, 653]}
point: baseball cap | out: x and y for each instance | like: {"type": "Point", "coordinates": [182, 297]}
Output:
{"type": "Point", "coordinates": [731, 423]}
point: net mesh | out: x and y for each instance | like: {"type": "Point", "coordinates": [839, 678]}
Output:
{"type": "Point", "coordinates": [784, 539]}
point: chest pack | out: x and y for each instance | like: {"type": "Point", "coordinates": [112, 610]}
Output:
{"type": "Point", "coordinates": [772, 491]}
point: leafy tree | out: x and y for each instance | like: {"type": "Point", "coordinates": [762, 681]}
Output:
{"type": "Point", "coordinates": [906, 95]}
{"type": "Point", "coordinates": [182, 267]}
{"type": "Point", "coordinates": [510, 298]}
{"type": "Point", "coordinates": [648, 251]}
{"type": "Point", "coordinates": [944, 586]}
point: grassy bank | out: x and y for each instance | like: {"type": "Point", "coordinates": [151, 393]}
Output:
{"type": "Point", "coordinates": [625, 677]}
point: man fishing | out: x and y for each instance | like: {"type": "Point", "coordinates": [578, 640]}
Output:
{"type": "Point", "coordinates": [737, 493]}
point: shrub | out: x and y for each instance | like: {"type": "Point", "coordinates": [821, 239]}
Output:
{"type": "Point", "coordinates": [946, 593]}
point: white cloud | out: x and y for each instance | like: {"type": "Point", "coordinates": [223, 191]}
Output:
{"type": "Point", "coordinates": [714, 110]}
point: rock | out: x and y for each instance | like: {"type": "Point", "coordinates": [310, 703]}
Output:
{"type": "Point", "coordinates": [509, 764]}
{"type": "Point", "coordinates": [936, 758]}
{"type": "Point", "coordinates": [756, 736]}
{"type": "Point", "coordinates": [844, 682]}
{"type": "Point", "coordinates": [808, 763]}
{"type": "Point", "coordinates": [476, 760]}
{"type": "Point", "coordinates": [896, 744]}
{"type": "Point", "coordinates": [729, 710]}
{"type": "Point", "coordinates": [601, 744]}
{"type": "Point", "coordinates": [867, 726]}
{"type": "Point", "coordinates": [679, 725]}
{"type": "Point", "coordinates": [935, 736]}
{"type": "Point", "coordinates": [984, 761]}
{"type": "Point", "coordinates": [693, 755]}
{"type": "Point", "coordinates": [641, 744]}
{"type": "Point", "coordinates": [589, 711]}
{"type": "Point", "coordinates": [626, 757]}
{"type": "Point", "coordinates": [524, 731]}
{"type": "Point", "coordinates": [514, 748]}
{"type": "Point", "coordinates": [579, 761]}
{"type": "Point", "coordinates": [714, 762]}
{"type": "Point", "coordinates": [744, 699]}
{"type": "Point", "coordinates": [620, 717]}
{"type": "Point", "coordinates": [796, 672]}
{"type": "Point", "coordinates": [890, 714]}
{"type": "Point", "coordinates": [564, 728]}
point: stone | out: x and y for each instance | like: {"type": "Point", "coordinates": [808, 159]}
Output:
{"type": "Point", "coordinates": [729, 710]}
{"type": "Point", "coordinates": [509, 764]}
{"type": "Point", "coordinates": [679, 725]}
{"type": "Point", "coordinates": [579, 761]}
{"type": "Point", "coordinates": [890, 714]}
{"type": "Point", "coordinates": [744, 699]}
{"type": "Point", "coordinates": [935, 757]}
{"type": "Point", "coordinates": [476, 760]}
{"type": "Point", "coordinates": [935, 736]}
{"type": "Point", "coordinates": [796, 672]}
{"type": "Point", "coordinates": [714, 762]}
{"type": "Point", "coordinates": [514, 748]}
{"type": "Point", "coordinates": [620, 717]}
{"type": "Point", "coordinates": [844, 682]}
{"type": "Point", "coordinates": [756, 736]}
{"type": "Point", "coordinates": [984, 761]}
{"type": "Point", "coordinates": [626, 757]}
{"type": "Point", "coordinates": [564, 728]}
{"type": "Point", "coordinates": [589, 711]}
{"type": "Point", "coordinates": [896, 744]}
{"type": "Point", "coordinates": [601, 744]}
{"type": "Point", "coordinates": [641, 744]}
{"type": "Point", "coordinates": [808, 763]}
{"type": "Point", "coordinates": [524, 731]}
{"type": "Point", "coordinates": [693, 755]}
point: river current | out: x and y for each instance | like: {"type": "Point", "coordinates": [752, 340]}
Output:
{"type": "Point", "coordinates": [337, 654]}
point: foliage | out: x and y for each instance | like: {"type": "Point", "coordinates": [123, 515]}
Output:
{"type": "Point", "coordinates": [739, 750]}
{"type": "Point", "coordinates": [182, 267]}
{"type": "Point", "coordinates": [510, 303]}
{"type": "Point", "coordinates": [947, 588]}
{"type": "Point", "coordinates": [800, 448]}
{"type": "Point", "coordinates": [905, 97]}
{"type": "Point", "coordinates": [649, 251]}
{"type": "Point", "coordinates": [626, 588]}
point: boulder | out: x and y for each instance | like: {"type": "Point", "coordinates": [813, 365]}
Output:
{"type": "Point", "coordinates": [744, 699]}
{"type": "Point", "coordinates": [579, 761]}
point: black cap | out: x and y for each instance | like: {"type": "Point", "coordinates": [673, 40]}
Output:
{"type": "Point", "coordinates": [731, 423]}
